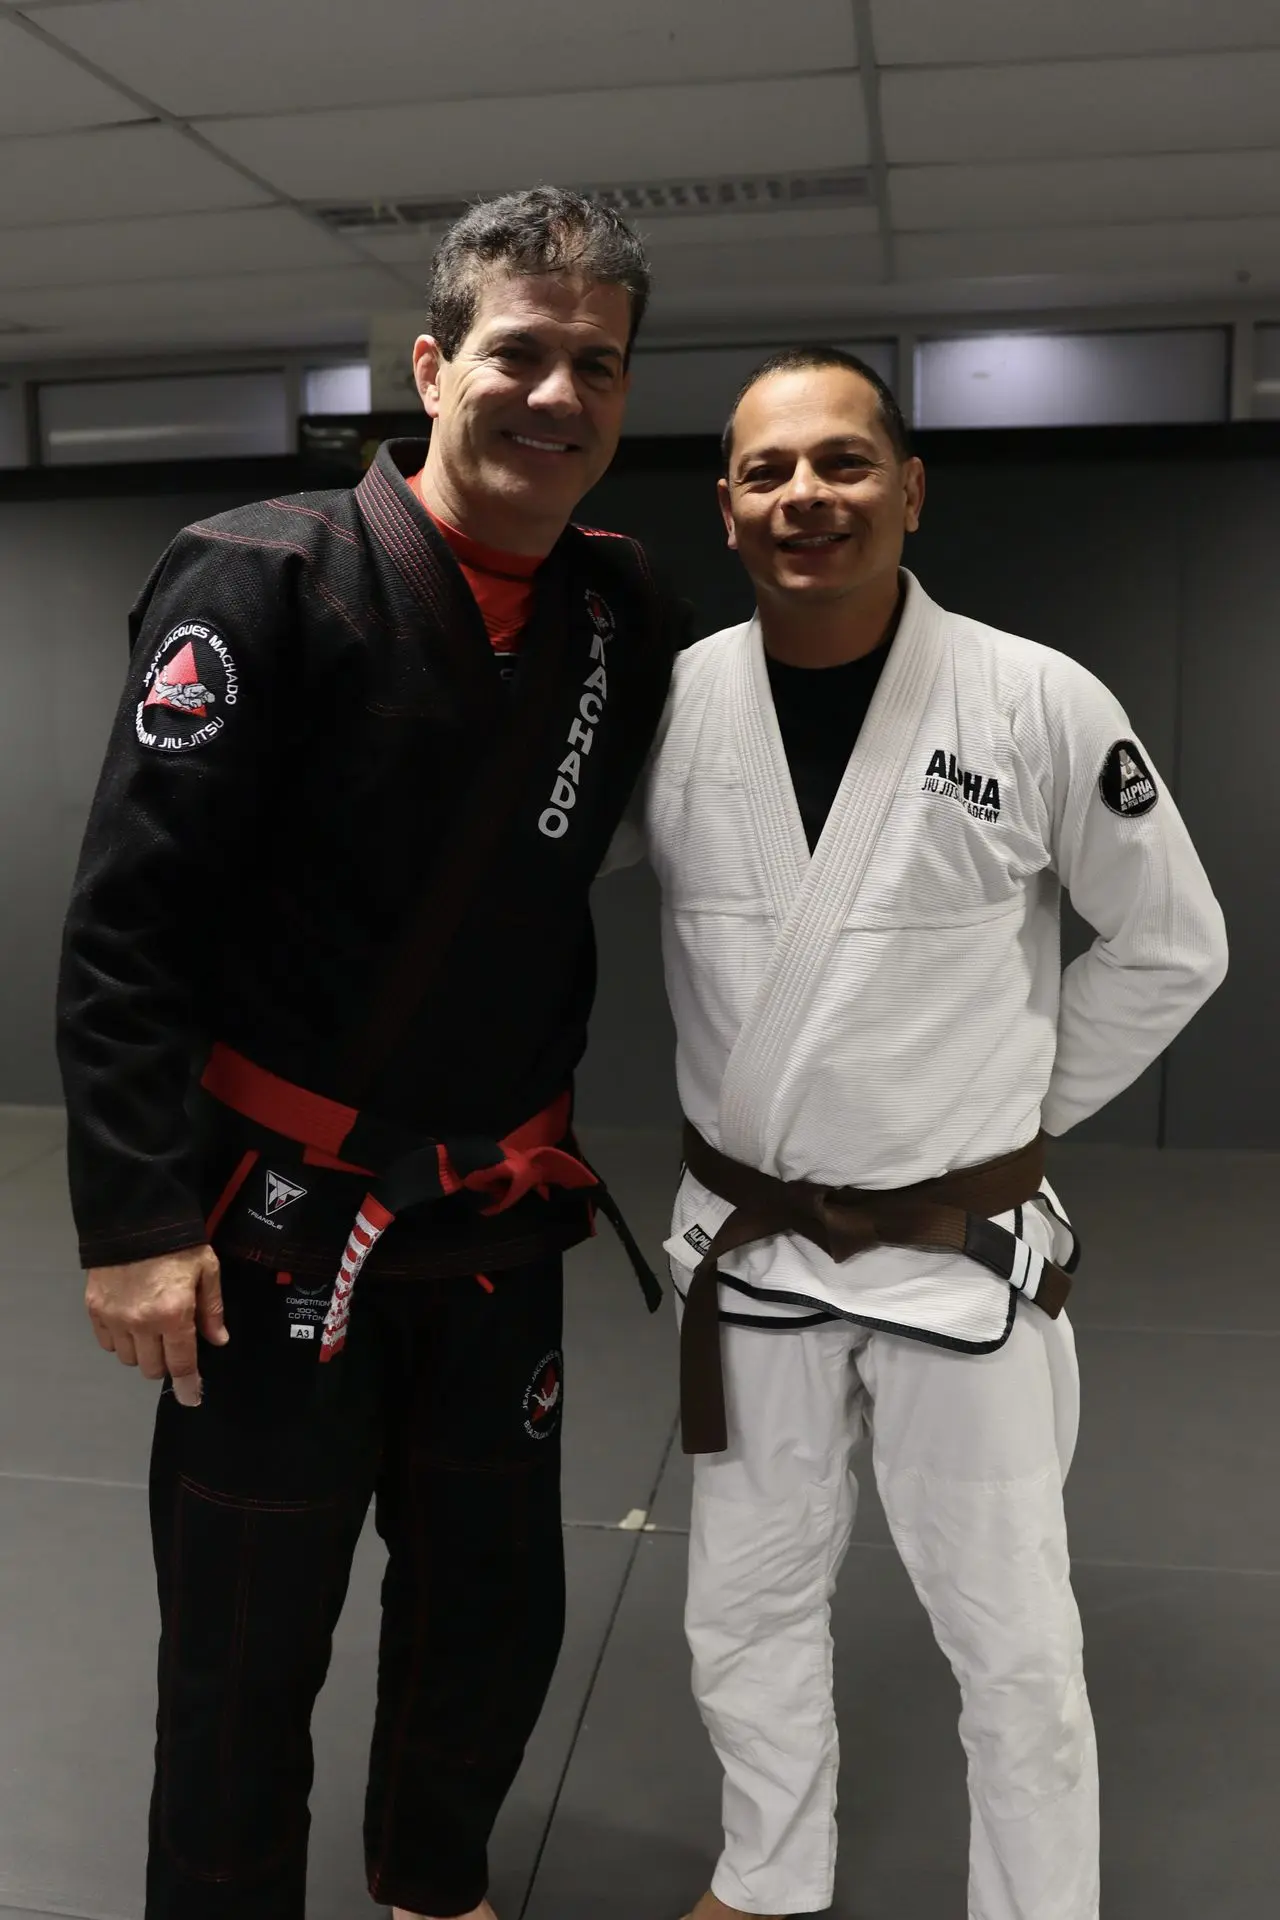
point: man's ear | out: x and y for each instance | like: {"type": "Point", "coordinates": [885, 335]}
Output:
{"type": "Point", "coordinates": [427, 362]}
{"type": "Point", "coordinates": [913, 486]}
{"type": "Point", "coordinates": [725, 500]}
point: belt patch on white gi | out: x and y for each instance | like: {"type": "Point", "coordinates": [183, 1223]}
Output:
{"type": "Point", "coordinates": [544, 1397]}
{"type": "Point", "coordinates": [699, 1239]}
{"type": "Point", "coordinates": [1126, 783]}
{"type": "Point", "coordinates": [191, 686]}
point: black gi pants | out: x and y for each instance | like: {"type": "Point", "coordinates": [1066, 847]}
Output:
{"type": "Point", "coordinates": [445, 1408]}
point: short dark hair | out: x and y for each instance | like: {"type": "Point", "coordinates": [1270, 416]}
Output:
{"type": "Point", "coordinates": [544, 230]}
{"type": "Point", "coordinates": [795, 359]}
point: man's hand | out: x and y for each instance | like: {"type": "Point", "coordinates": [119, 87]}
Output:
{"type": "Point", "coordinates": [147, 1314]}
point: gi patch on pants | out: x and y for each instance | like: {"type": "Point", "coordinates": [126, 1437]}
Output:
{"type": "Point", "coordinates": [544, 1397]}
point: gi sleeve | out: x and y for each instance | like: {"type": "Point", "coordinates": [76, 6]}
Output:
{"type": "Point", "coordinates": [1119, 846]}
{"type": "Point", "coordinates": [172, 816]}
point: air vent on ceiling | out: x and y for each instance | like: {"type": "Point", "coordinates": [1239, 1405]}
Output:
{"type": "Point", "coordinates": [740, 193]}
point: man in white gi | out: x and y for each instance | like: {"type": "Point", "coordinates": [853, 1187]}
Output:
{"type": "Point", "coordinates": [861, 810]}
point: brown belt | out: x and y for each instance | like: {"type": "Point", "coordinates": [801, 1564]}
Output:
{"type": "Point", "coordinates": [951, 1212]}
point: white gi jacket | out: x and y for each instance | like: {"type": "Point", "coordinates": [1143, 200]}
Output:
{"type": "Point", "coordinates": [893, 1007]}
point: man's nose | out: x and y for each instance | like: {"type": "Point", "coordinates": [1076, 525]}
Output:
{"type": "Point", "coordinates": [556, 392]}
{"type": "Point", "coordinates": [806, 488]}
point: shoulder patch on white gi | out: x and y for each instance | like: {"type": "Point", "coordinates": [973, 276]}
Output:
{"type": "Point", "coordinates": [1126, 784]}
{"type": "Point", "coordinates": [190, 689]}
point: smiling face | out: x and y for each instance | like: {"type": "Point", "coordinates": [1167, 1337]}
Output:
{"type": "Point", "coordinates": [528, 412]}
{"type": "Point", "coordinates": [817, 501]}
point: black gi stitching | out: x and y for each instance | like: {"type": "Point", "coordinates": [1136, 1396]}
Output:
{"type": "Point", "coordinates": [313, 513]}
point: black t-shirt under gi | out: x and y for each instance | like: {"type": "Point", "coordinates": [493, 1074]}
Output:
{"type": "Point", "coordinates": [820, 714]}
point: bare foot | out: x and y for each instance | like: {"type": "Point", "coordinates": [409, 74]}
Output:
{"type": "Point", "coordinates": [483, 1912]}
{"type": "Point", "coordinates": [709, 1908]}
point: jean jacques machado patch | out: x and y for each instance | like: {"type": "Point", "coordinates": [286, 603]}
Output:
{"type": "Point", "coordinates": [190, 689]}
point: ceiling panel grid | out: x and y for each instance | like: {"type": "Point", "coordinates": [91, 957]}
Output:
{"type": "Point", "coordinates": [271, 56]}
{"type": "Point", "coordinates": [944, 32]}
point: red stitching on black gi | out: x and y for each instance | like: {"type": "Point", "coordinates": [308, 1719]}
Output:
{"type": "Point", "coordinates": [249, 540]}
{"type": "Point", "coordinates": [171, 1666]}
{"type": "Point", "coordinates": [313, 513]}
{"type": "Point", "coordinates": [235, 1673]}
{"type": "Point", "coordinates": [239, 1503]}
{"type": "Point", "coordinates": [344, 613]}
{"type": "Point", "coordinates": [387, 519]}
{"type": "Point", "coordinates": [416, 1504]}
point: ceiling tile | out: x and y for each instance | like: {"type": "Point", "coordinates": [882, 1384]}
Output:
{"type": "Point", "coordinates": [199, 244]}
{"type": "Point", "coordinates": [1225, 246]}
{"type": "Point", "coordinates": [240, 56]}
{"type": "Point", "coordinates": [478, 146]}
{"type": "Point", "coordinates": [111, 174]}
{"type": "Point", "coordinates": [938, 32]}
{"type": "Point", "coordinates": [1073, 192]}
{"type": "Point", "coordinates": [1182, 104]}
{"type": "Point", "coordinates": [415, 250]}
{"type": "Point", "coordinates": [41, 91]}
{"type": "Point", "coordinates": [244, 297]}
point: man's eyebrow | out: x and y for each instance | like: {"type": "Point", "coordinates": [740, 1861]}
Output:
{"type": "Point", "coordinates": [831, 445]}
{"type": "Point", "coordinates": [521, 337]}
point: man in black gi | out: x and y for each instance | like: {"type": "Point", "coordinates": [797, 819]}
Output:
{"type": "Point", "coordinates": [329, 960]}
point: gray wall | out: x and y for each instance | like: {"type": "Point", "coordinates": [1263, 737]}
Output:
{"type": "Point", "coordinates": [69, 571]}
{"type": "Point", "coordinates": [1162, 577]}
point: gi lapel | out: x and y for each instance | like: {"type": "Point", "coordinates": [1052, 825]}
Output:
{"type": "Point", "coordinates": [812, 902]}
{"type": "Point", "coordinates": [512, 733]}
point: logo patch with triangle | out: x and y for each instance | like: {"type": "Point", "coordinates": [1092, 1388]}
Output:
{"type": "Point", "coordinates": [190, 690]}
{"type": "Point", "coordinates": [1127, 784]}
{"type": "Point", "coordinates": [282, 1193]}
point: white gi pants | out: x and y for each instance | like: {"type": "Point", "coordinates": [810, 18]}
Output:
{"type": "Point", "coordinates": [970, 1452]}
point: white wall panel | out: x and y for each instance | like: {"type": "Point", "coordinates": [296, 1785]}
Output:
{"type": "Point", "coordinates": [1266, 373]}
{"type": "Point", "coordinates": [692, 390]}
{"type": "Point", "coordinates": [244, 56]}
{"type": "Point", "coordinates": [41, 92]}
{"type": "Point", "coordinates": [938, 32]}
{"type": "Point", "coordinates": [478, 146]}
{"type": "Point", "coordinates": [1184, 104]}
{"type": "Point", "coordinates": [186, 417]}
{"type": "Point", "coordinates": [1083, 379]}
{"type": "Point", "coordinates": [1187, 186]}
{"type": "Point", "coordinates": [111, 174]}
{"type": "Point", "coordinates": [199, 244]}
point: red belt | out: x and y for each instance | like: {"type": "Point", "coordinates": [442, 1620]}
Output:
{"type": "Point", "coordinates": [419, 1170]}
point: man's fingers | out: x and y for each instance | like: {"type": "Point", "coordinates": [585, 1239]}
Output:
{"type": "Point", "coordinates": [188, 1389]}
{"type": "Point", "coordinates": [102, 1333]}
{"type": "Point", "coordinates": [149, 1348]}
{"type": "Point", "coordinates": [123, 1348]}
{"type": "Point", "coordinates": [209, 1305]}
{"type": "Point", "coordinates": [182, 1364]}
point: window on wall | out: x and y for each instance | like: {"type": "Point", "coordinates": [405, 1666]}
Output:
{"type": "Point", "coordinates": [344, 389]}
{"type": "Point", "coordinates": [690, 390]}
{"type": "Point", "coordinates": [13, 437]}
{"type": "Point", "coordinates": [1073, 379]}
{"type": "Point", "coordinates": [1266, 373]}
{"type": "Point", "coordinates": [182, 417]}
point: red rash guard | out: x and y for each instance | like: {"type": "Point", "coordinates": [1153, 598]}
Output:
{"type": "Point", "coordinates": [501, 582]}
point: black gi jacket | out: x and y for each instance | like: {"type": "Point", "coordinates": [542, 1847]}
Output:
{"type": "Point", "coordinates": [312, 712]}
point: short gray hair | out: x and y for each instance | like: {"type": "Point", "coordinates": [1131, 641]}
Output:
{"type": "Point", "coordinates": [544, 230]}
